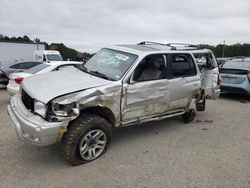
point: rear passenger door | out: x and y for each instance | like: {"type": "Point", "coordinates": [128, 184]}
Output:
{"type": "Point", "coordinates": [184, 80]}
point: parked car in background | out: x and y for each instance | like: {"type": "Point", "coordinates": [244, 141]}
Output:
{"type": "Point", "coordinates": [17, 78]}
{"type": "Point", "coordinates": [221, 61]}
{"type": "Point", "coordinates": [235, 76]}
{"type": "Point", "coordinates": [7, 69]}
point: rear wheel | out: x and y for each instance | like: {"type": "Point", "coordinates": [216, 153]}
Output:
{"type": "Point", "coordinates": [86, 139]}
{"type": "Point", "coordinates": [189, 116]}
{"type": "Point", "coordinates": [201, 106]}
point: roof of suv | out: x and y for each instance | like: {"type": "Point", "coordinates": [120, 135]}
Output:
{"type": "Point", "coordinates": [153, 47]}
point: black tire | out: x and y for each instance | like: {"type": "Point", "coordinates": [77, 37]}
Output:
{"type": "Point", "coordinates": [78, 130]}
{"type": "Point", "coordinates": [201, 106]}
{"type": "Point", "coordinates": [189, 116]}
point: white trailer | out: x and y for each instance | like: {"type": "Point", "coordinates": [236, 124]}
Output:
{"type": "Point", "coordinates": [17, 51]}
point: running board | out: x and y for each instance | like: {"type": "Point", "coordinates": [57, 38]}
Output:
{"type": "Point", "coordinates": [154, 118]}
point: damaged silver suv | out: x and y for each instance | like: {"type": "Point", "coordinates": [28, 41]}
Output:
{"type": "Point", "coordinates": [119, 86]}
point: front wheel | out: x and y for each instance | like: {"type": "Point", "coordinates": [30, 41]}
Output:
{"type": "Point", "coordinates": [86, 139]}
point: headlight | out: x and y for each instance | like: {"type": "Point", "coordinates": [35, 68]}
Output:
{"type": "Point", "coordinates": [40, 108]}
{"type": "Point", "coordinates": [64, 110]}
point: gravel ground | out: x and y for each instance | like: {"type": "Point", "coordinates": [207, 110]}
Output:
{"type": "Point", "coordinates": [212, 151]}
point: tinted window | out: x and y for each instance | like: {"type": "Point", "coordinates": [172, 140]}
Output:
{"type": "Point", "coordinates": [182, 65]}
{"type": "Point", "coordinates": [37, 68]}
{"type": "Point", "coordinates": [24, 65]}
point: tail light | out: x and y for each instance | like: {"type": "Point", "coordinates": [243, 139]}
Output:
{"type": "Point", "coordinates": [218, 80]}
{"type": "Point", "coordinates": [19, 80]}
{"type": "Point", "coordinates": [248, 76]}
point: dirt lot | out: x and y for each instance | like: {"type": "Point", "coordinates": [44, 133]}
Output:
{"type": "Point", "coordinates": [212, 151]}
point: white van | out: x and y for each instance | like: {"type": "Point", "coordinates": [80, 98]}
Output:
{"type": "Point", "coordinates": [47, 55]}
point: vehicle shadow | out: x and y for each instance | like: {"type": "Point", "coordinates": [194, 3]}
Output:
{"type": "Point", "coordinates": [236, 97]}
{"type": "Point", "coordinates": [53, 155]}
{"type": "Point", "coordinates": [138, 131]}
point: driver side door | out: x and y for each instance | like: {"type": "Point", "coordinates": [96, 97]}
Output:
{"type": "Point", "coordinates": [145, 98]}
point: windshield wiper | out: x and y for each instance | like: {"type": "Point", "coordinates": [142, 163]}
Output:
{"type": "Point", "coordinates": [83, 68]}
{"type": "Point", "coordinates": [99, 74]}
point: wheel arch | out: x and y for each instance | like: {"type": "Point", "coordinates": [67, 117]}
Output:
{"type": "Point", "coordinates": [103, 112]}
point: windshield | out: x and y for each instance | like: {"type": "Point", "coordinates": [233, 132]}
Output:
{"type": "Point", "coordinates": [111, 63]}
{"type": "Point", "coordinates": [54, 57]}
{"type": "Point", "coordinates": [237, 64]}
{"type": "Point", "coordinates": [37, 68]}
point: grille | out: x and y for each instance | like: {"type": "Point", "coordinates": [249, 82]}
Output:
{"type": "Point", "coordinates": [27, 101]}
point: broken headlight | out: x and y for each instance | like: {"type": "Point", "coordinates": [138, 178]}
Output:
{"type": "Point", "coordinates": [40, 108]}
{"type": "Point", "coordinates": [64, 110]}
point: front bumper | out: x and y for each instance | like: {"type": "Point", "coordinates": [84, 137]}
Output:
{"type": "Point", "coordinates": [32, 128]}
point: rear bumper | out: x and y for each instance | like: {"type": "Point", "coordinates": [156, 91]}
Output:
{"type": "Point", "coordinates": [213, 94]}
{"type": "Point", "coordinates": [232, 89]}
{"type": "Point", "coordinates": [12, 90]}
{"type": "Point", "coordinates": [32, 128]}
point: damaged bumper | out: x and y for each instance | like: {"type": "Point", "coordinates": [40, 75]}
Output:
{"type": "Point", "coordinates": [213, 94]}
{"type": "Point", "coordinates": [32, 128]}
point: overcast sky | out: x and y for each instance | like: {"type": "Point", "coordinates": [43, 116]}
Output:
{"type": "Point", "coordinates": [90, 25]}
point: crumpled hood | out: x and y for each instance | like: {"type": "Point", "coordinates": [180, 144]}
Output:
{"type": "Point", "coordinates": [44, 87]}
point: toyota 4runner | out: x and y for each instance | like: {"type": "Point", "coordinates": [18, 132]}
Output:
{"type": "Point", "coordinates": [119, 86]}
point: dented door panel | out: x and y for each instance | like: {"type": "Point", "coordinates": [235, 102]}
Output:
{"type": "Point", "coordinates": [182, 90]}
{"type": "Point", "coordinates": [143, 99]}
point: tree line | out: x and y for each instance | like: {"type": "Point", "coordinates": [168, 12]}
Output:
{"type": "Point", "coordinates": [72, 54]}
{"type": "Point", "coordinates": [230, 50]}
{"type": "Point", "coordinates": [66, 52]}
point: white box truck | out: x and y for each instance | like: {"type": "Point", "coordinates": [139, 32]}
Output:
{"type": "Point", "coordinates": [19, 51]}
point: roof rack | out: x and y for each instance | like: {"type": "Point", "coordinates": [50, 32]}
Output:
{"type": "Point", "coordinates": [174, 46]}
{"type": "Point", "coordinates": [149, 42]}
{"type": "Point", "coordinates": [157, 43]}
{"type": "Point", "coordinates": [184, 45]}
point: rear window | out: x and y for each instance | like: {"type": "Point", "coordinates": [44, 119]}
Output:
{"type": "Point", "coordinates": [25, 65]}
{"type": "Point", "coordinates": [36, 69]}
{"type": "Point", "coordinates": [237, 64]}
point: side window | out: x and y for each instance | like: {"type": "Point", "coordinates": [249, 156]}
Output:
{"type": "Point", "coordinates": [205, 60]}
{"type": "Point", "coordinates": [182, 65]}
{"type": "Point", "coordinates": [150, 68]}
